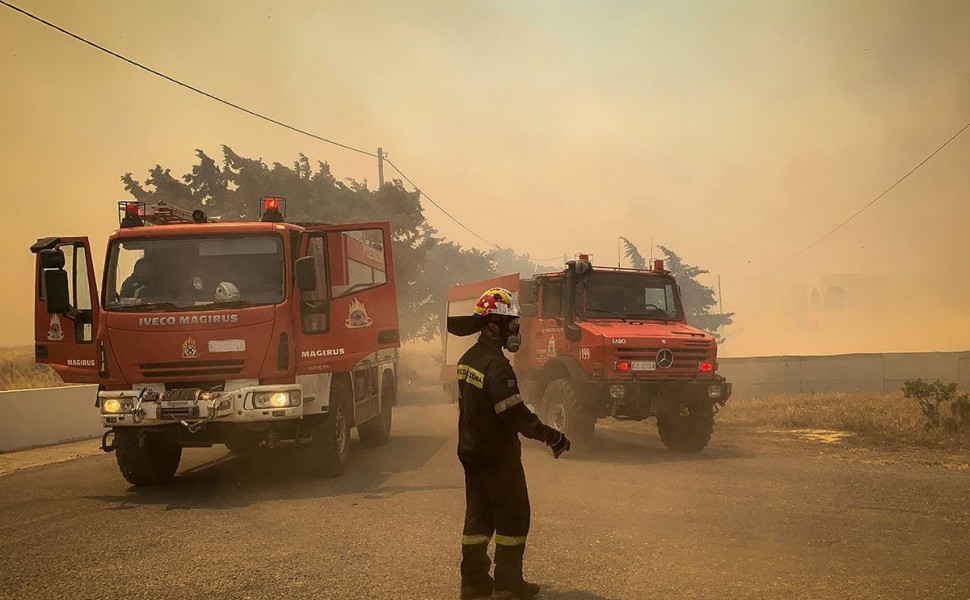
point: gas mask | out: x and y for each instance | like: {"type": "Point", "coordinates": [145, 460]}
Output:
{"type": "Point", "coordinates": [509, 334]}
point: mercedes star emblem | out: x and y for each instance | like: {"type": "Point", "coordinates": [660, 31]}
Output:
{"type": "Point", "coordinates": [665, 358]}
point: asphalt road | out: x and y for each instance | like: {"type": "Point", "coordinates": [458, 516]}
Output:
{"type": "Point", "coordinates": [757, 515]}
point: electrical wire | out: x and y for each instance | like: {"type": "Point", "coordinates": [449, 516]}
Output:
{"type": "Point", "coordinates": [185, 85]}
{"type": "Point", "coordinates": [870, 203]}
{"type": "Point", "coordinates": [438, 206]}
{"type": "Point", "coordinates": [241, 108]}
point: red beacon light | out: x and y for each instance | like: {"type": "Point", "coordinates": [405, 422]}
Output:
{"type": "Point", "coordinates": [705, 367]}
{"type": "Point", "coordinates": [130, 213]}
{"type": "Point", "coordinates": [273, 209]}
{"type": "Point", "coordinates": [623, 365]}
{"type": "Point", "coordinates": [658, 264]}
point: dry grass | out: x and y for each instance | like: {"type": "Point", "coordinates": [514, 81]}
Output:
{"type": "Point", "coordinates": [887, 416]}
{"type": "Point", "coordinates": [18, 371]}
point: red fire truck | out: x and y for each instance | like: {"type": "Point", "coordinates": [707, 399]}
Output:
{"type": "Point", "coordinates": [602, 342]}
{"type": "Point", "coordinates": [239, 333]}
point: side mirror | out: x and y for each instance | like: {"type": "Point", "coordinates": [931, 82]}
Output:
{"type": "Point", "coordinates": [529, 310]}
{"type": "Point", "coordinates": [56, 292]}
{"type": "Point", "coordinates": [572, 332]}
{"type": "Point", "coordinates": [306, 273]}
{"type": "Point", "coordinates": [52, 259]}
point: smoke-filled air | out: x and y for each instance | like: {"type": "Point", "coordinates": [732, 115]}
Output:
{"type": "Point", "coordinates": [734, 134]}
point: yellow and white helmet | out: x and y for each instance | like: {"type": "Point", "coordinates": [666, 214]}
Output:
{"type": "Point", "coordinates": [497, 301]}
{"type": "Point", "coordinates": [494, 302]}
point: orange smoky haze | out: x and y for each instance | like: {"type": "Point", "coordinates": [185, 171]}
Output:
{"type": "Point", "coordinates": [734, 133]}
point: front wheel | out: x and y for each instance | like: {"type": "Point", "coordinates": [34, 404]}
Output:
{"type": "Point", "coordinates": [562, 409]}
{"type": "Point", "coordinates": [689, 433]}
{"type": "Point", "coordinates": [146, 458]}
{"type": "Point", "coordinates": [329, 449]}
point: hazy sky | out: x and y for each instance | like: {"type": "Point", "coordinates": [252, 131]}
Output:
{"type": "Point", "coordinates": [735, 133]}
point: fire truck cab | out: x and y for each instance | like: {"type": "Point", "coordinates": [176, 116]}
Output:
{"type": "Point", "coordinates": [235, 333]}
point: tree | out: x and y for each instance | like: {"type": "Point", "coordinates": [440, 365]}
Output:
{"type": "Point", "coordinates": [633, 255]}
{"type": "Point", "coordinates": [425, 264]}
{"type": "Point", "coordinates": [698, 299]}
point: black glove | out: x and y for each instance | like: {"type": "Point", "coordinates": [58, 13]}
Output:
{"type": "Point", "coordinates": [558, 443]}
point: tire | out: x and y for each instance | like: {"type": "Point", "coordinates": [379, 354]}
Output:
{"type": "Point", "coordinates": [377, 430]}
{"type": "Point", "coordinates": [147, 459]}
{"type": "Point", "coordinates": [562, 409]}
{"type": "Point", "coordinates": [329, 449]}
{"type": "Point", "coordinates": [691, 433]}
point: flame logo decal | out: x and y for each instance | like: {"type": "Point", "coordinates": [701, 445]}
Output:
{"type": "Point", "coordinates": [357, 316]}
{"type": "Point", "coordinates": [189, 349]}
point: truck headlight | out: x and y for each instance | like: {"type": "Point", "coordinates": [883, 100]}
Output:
{"type": "Point", "coordinates": [617, 390]}
{"type": "Point", "coordinates": [276, 399]}
{"type": "Point", "coordinates": [113, 406]}
{"type": "Point", "coordinates": [713, 391]}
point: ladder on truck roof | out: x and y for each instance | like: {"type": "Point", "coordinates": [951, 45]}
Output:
{"type": "Point", "coordinates": [163, 213]}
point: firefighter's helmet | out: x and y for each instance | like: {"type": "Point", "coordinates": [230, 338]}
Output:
{"type": "Point", "coordinates": [494, 302]}
{"type": "Point", "coordinates": [497, 301]}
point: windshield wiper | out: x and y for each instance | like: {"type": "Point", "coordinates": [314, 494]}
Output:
{"type": "Point", "coordinates": [653, 317]}
{"type": "Point", "coordinates": [147, 306]}
{"type": "Point", "coordinates": [609, 312]}
{"type": "Point", "coordinates": [220, 304]}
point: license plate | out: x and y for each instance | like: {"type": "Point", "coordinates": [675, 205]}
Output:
{"type": "Point", "coordinates": [643, 365]}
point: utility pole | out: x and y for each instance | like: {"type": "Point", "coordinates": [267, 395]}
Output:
{"type": "Point", "coordinates": [720, 301]}
{"type": "Point", "coordinates": [651, 253]}
{"type": "Point", "coordinates": [380, 167]}
{"type": "Point", "coordinates": [618, 238]}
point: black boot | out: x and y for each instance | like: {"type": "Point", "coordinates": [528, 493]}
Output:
{"type": "Point", "coordinates": [508, 573]}
{"type": "Point", "coordinates": [524, 590]}
{"type": "Point", "coordinates": [475, 564]}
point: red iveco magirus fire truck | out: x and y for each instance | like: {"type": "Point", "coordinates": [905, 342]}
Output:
{"type": "Point", "coordinates": [601, 342]}
{"type": "Point", "coordinates": [240, 333]}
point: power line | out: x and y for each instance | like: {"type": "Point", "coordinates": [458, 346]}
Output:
{"type": "Point", "coordinates": [241, 108]}
{"type": "Point", "coordinates": [185, 85]}
{"type": "Point", "coordinates": [870, 203]}
{"type": "Point", "coordinates": [439, 207]}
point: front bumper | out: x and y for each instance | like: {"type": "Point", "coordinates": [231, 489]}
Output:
{"type": "Point", "coordinates": [642, 399]}
{"type": "Point", "coordinates": [144, 407]}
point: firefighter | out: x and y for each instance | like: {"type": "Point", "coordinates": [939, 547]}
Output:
{"type": "Point", "coordinates": [141, 282]}
{"type": "Point", "coordinates": [491, 417]}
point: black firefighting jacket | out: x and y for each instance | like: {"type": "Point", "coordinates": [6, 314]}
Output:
{"type": "Point", "coordinates": [491, 412]}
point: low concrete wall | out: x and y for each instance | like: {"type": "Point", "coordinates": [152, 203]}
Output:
{"type": "Point", "coordinates": [47, 416]}
{"type": "Point", "coordinates": [769, 375]}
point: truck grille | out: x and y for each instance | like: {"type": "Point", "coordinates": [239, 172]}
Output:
{"type": "Point", "coordinates": [686, 360]}
{"type": "Point", "coordinates": [196, 369]}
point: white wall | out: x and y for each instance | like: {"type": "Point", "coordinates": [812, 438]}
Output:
{"type": "Point", "coordinates": [47, 416]}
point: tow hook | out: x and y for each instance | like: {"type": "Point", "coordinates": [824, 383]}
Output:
{"type": "Point", "coordinates": [105, 446]}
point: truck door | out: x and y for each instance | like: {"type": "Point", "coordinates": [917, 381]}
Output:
{"type": "Point", "coordinates": [66, 309]}
{"type": "Point", "coordinates": [363, 300]}
{"type": "Point", "coordinates": [348, 309]}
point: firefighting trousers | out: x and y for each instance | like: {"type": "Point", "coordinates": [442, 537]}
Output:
{"type": "Point", "coordinates": [496, 501]}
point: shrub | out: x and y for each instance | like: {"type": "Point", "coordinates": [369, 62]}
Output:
{"type": "Point", "coordinates": [929, 397]}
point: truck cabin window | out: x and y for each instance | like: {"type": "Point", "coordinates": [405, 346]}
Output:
{"type": "Point", "coordinates": [195, 273]}
{"type": "Point", "coordinates": [628, 295]}
{"type": "Point", "coordinates": [357, 261]}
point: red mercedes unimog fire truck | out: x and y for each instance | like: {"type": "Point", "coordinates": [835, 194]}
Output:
{"type": "Point", "coordinates": [241, 333]}
{"type": "Point", "coordinates": [603, 342]}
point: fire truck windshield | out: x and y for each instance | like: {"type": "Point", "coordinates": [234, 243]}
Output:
{"type": "Point", "coordinates": [194, 273]}
{"type": "Point", "coordinates": [628, 296]}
